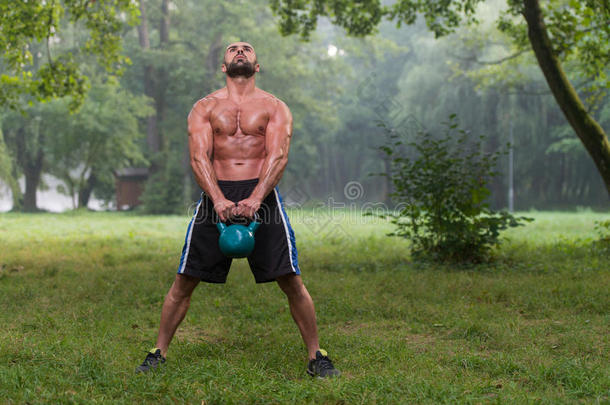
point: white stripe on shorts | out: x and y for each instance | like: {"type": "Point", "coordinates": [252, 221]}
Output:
{"type": "Point", "coordinates": [188, 239]}
{"type": "Point", "coordinates": [279, 206]}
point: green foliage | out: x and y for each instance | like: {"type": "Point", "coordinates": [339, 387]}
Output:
{"type": "Point", "coordinates": [603, 230]}
{"type": "Point", "coordinates": [26, 136]}
{"type": "Point", "coordinates": [580, 32]}
{"type": "Point", "coordinates": [6, 169]}
{"type": "Point", "coordinates": [101, 137]}
{"type": "Point", "coordinates": [579, 29]}
{"type": "Point", "coordinates": [61, 79]}
{"type": "Point", "coordinates": [496, 98]}
{"type": "Point", "coordinates": [362, 18]}
{"type": "Point", "coordinates": [164, 192]}
{"type": "Point", "coordinates": [441, 187]}
{"type": "Point", "coordinates": [29, 25]}
{"type": "Point", "coordinates": [335, 99]}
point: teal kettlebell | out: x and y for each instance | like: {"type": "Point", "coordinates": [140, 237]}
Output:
{"type": "Point", "coordinates": [237, 240]}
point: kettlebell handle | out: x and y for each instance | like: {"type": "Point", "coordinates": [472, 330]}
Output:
{"type": "Point", "coordinates": [256, 222]}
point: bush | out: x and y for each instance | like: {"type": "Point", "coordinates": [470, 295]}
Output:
{"type": "Point", "coordinates": [164, 192]}
{"type": "Point", "coordinates": [603, 230]}
{"type": "Point", "coordinates": [440, 185]}
{"type": "Point", "coordinates": [603, 243]}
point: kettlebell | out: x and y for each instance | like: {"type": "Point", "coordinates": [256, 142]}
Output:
{"type": "Point", "coordinates": [237, 240]}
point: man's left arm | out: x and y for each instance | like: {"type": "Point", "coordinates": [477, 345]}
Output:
{"type": "Point", "coordinates": [277, 144]}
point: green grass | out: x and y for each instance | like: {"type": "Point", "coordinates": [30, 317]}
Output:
{"type": "Point", "coordinates": [81, 295]}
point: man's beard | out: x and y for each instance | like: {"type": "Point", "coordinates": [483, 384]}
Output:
{"type": "Point", "coordinates": [241, 68]}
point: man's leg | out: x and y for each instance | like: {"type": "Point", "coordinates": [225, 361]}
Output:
{"type": "Point", "coordinates": [176, 304]}
{"type": "Point", "coordinates": [302, 310]}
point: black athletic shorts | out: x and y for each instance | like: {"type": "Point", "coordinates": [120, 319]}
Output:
{"type": "Point", "coordinates": [275, 251]}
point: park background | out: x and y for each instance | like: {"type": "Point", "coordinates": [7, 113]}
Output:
{"type": "Point", "coordinates": [81, 291]}
{"type": "Point", "coordinates": [337, 87]}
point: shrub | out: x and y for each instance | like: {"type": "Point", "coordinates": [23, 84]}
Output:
{"type": "Point", "coordinates": [440, 185]}
{"type": "Point", "coordinates": [164, 192]}
{"type": "Point", "coordinates": [602, 245]}
{"type": "Point", "coordinates": [603, 230]}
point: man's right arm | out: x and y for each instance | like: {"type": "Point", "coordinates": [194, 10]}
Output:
{"type": "Point", "coordinates": [201, 147]}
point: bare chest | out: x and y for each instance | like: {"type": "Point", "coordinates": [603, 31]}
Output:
{"type": "Point", "coordinates": [230, 119]}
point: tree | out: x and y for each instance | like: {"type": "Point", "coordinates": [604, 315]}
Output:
{"type": "Point", "coordinates": [7, 172]}
{"type": "Point", "coordinates": [564, 30]}
{"type": "Point", "coordinates": [26, 24]}
{"type": "Point", "coordinates": [82, 149]}
{"type": "Point", "coordinates": [551, 165]}
{"type": "Point", "coordinates": [155, 78]}
{"type": "Point", "coordinates": [48, 50]}
{"type": "Point", "coordinates": [25, 136]}
{"type": "Point", "coordinates": [100, 138]}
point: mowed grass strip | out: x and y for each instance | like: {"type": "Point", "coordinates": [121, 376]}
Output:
{"type": "Point", "coordinates": [81, 296]}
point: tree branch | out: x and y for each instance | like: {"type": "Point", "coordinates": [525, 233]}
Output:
{"type": "Point", "coordinates": [494, 62]}
{"type": "Point", "coordinates": [49, 57]}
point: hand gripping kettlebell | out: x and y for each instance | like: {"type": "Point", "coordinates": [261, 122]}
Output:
{"type": "Point", "coordinates": [237, 240]}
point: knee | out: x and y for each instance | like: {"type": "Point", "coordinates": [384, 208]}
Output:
{"type": "Point", "coordinates": [178, 293]}
{"type": "Point", "coordinates": [182, 288]}
{"type": "Point", "coordinates": [176, 297]}
{"type": "Point", "coordinates": [293, 287]}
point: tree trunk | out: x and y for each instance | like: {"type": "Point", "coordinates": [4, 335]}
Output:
{"type": "Point", "coordinates": [161, 74]}
{"type": "Point", "coordinates": [8, 173]}
{"type": "Point", "coordinates": [152, 129]}
{"type": "Point", "coordinates": [84, 194]}
{"type": "Point", "coordinates": [164, 26]}
{"type": "Point", "coordinates": [213, 60]}
{"type": "Point", "coordinates": [16, 191]}
{"type": "Point", "coordinates": [588, 130]}
{"type": "Point", "coordinates": [32, 171]}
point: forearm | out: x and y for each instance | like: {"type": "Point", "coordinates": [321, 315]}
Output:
{"type": "Point", "coordinates": [270, 175]}
{"type": "Point", "coordinates": [206, 178]}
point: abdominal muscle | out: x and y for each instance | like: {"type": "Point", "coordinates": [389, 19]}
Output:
{"type": "Point", "coordinates": [237, 169]}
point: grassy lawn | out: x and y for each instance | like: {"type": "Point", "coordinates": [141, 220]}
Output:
{"type": "Point", "coordinates": [81, 296]}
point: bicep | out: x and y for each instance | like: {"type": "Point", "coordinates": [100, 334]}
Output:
{"type": "Point", "coordinates": [279, 131]}
{"type": "Point", "coordinates": [200, 134]}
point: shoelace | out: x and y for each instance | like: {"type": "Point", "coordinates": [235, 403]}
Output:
{"type": "Point", "coordinates": [325, 363]}
{"type": "Point", "coordinates": [150, 359]}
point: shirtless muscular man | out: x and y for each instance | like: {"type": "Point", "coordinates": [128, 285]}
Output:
{"type": "Point", "coordinates": [239, 138]}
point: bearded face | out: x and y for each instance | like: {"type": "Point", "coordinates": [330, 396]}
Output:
{"type": "Point", "coordinates": [240, 60]}
{"type": "Point", "coordinates": [240, 68]}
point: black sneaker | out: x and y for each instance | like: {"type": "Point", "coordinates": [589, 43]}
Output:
{"type": "Point", "coordinates": [321, 366]}
{"type": "Point", "coordinates": [152, 361]}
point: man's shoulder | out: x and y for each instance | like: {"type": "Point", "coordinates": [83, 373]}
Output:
{"type": "Point", "coordinates": [211, 98]}
{"type": "Point", "coordinates": [205, 105]}
{"type": "Point", "coordinates": [270, 98]}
